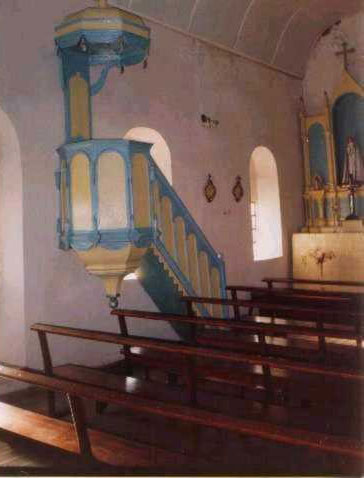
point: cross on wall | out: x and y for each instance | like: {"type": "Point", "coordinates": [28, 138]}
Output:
{"type": "Point", "coordinates": [345, 52]}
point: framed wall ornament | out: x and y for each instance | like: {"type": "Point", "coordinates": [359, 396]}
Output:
{"type": "Point", "coordinates": [210, 189]}
{"type": "Point", "coordinates": [238, 190]}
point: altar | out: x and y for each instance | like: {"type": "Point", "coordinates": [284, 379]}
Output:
{"type": "Point", "coordinates": [330, 246]}
{"type": "Point", "coordinates": [329, 256]}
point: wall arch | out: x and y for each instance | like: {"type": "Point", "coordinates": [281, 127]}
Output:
{"type": "Point", "coordinates": [265, 205]}
{"type": "Point", "coordinates": [160, 151]}
{"type": "Point", "coordinates": [12, 318]}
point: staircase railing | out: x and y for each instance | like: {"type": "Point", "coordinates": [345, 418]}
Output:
{"type": "Point", "coordinates": [185, 248]}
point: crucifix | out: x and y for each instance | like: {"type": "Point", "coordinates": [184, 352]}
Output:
{"type": "Point", "coordinates": [345, 52]}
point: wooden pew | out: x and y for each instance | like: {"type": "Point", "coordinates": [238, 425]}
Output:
{"type": "Point", "coordinates": [259, 429]}
{"type": "Point", "coordinates": [320, 316]}
{"type": "Point", "coordinates": [237, 342]}
{"type": "Point", "coordinates": [210, 364]}
{"type": "Point", "coordinates": [291, 281]}
{"type": "Point", "coordinates": [305, 313]}
{"type": "Point", "coordinates": [282, 434]}
{"type": "Point", "coordinates": [76, 438]}
{"type": "Point", "coordinates": [300, 297]}
{"type": "Point", "coordinates": [247, 326]}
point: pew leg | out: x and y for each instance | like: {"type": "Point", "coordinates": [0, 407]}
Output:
{"type": "Point", "coordinates": [242, 392]}
{"type": "Point", "coordinates": [322, 341]}
{"type": "Point", "coordinates": [191, 380]}
{"type": "Point", "coordinates": [172, 378]}
{"type": "Point", "coordinates": [79, 423]}
{"type": "Point", "coordinates": [51, 404]}
{"type": "Point", "coordinates": [269, 395]}
{"type": "Point", "coordinates": [100, 407]}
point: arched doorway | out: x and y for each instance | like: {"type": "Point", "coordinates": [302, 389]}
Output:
{"type": "Point", "coordinates": [12, 319]}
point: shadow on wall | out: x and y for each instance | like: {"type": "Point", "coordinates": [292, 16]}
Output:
{"type": "Point", "coordinates": [12, 311]}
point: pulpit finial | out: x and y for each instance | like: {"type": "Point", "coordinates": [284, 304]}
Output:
{"type": "Point", "coordinates": [102, 3]}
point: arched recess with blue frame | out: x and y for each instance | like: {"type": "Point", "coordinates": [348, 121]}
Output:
{"type": "Point", "coordinates": [348, 120]}
{"type": "Point", "coordinates": [318, 153]}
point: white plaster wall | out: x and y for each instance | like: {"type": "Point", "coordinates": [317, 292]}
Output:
{"type": "Point", "coordinates": [325, 68]}
{"type": "Point", "coordinates": [12, 320]}
{"type": "Point", "coordinates": [255, 106]}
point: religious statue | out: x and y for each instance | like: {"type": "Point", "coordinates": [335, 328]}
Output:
{"type": "Point", "coordinates": [353, 172]}
{"type": "Point", "coordinates": [317, 183]}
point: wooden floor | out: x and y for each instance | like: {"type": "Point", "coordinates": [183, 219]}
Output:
{"type": "Point", "coordinates": [210, 451]}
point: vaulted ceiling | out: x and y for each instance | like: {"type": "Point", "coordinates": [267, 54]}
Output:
{"type": "Point", "coordinates": [277, 32]}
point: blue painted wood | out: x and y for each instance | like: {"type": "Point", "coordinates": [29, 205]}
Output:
{"type": "Point", "coordinates": [318, 153]}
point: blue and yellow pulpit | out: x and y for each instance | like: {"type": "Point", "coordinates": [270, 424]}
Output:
{"type": "Point", "coordinates": [117, 211]}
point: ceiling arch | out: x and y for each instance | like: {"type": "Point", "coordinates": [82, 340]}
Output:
{"type": "Point", "coordinates": [277, 32]}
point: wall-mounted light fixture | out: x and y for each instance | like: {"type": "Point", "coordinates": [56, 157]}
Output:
{"type": "Point", "coordinates": [208, 122]}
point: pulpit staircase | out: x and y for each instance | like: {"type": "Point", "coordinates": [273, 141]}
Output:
{"type": "Point", "coordinates": [181, 261]}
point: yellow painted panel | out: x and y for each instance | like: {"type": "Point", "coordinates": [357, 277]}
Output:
{"type": "Point", "coordinates": [205, 277]}
{"type": "Point", "coordinates": [112, 191]}
{"type": "Point", "coordinates": [64, 210]}
{"type": "Point", "coordinates": [79, 107]}
{"type": "Point", "coordinates": [181, 245]}
{"type": "Point", "coordinates": [168, 227]}
{"type": "Point", "coordinates": [157, 205]}
{"type": "Point", "coordinates": [81, 193]}
{"type": "Point", "coordinates": [193, 265]}
{"type": "Point", "coordinates": [141, 191]}
{"type": "Point", "coordinates": [216, 291]}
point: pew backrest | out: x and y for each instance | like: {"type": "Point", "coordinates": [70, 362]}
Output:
{"type": "Point", "coordinates": [268, 431]}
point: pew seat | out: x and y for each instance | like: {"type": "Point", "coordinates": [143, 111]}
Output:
{"type": "Point", "coordinates": [250, 382]}
{"type": "Point", "coordinates": [219, 403]}
{"type": "Point", "coordinates": [106, 448]}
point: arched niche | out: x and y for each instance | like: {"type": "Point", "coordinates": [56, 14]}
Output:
{"type": "Point", "coordinates": [318, 154]}
{"type": "Point", "coordinates": [265, 205]}
{"type": "Point", "coordinates": [160, 151]}
{"type": "Point", "coordinates": [12, 316]}
{"type": "Point", "coordinates": [348, 114]}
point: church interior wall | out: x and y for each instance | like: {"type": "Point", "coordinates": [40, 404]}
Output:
{"type": "Point", "coordinates": [185, 78]}
{"type": "Point", "coordinates": [324, 68]}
